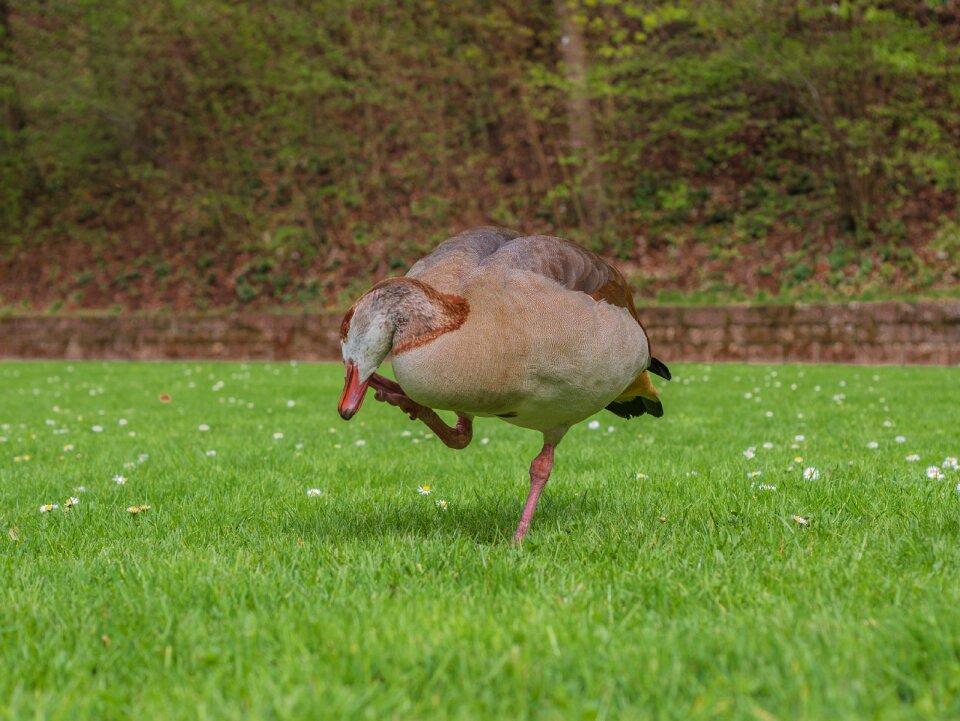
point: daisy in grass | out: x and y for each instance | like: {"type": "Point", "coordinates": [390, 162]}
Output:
{"type": "Point", "coordinates": [951, 463]}
{"type": "Point", "coordinates": [749, 453]}
{"type": "Point", "coordinates": [766, 487]}
{"type": "Point", "coordinates": [900, 439]}
{"type": "Point", "coordinates": [754, 474]}
{"type": "Point", "coordinates": [798, 459]}
{"type": "Point", "coordinates": [913, 457]}
{"type": "Point", "coordinates": [442, 505]}
{"type": "Point", "coordinates": [359, 442]}
{"type": "Point", "coordinates": [67, 448]}
{"type": "Point", "coordinates": [484, 441]}
{"type": "Point", "coordinates": [872, 445]}
{"type": "Point", "coordinates": [278, 436]}
{"type": "Point", "coordinates": [47, 507]}
{"type": "Point", "coordinates": [70, 502]}
{"type": "Point", "coordinates": [211, 453]}
{"type": "Point", "coordinates": [203, 427]}
{"type": "Point", "coordinates": [120, 480]}
{"type": "Point", "coordinates": [593, 425]}
{"type": "Point", "coordinates": [641, 476]}
{"type": "Point", "coordinates": [801, 520]}
{"type": "Point", "coordinates": [811, 473]}
{"type": "Point", "coordinates": [424, 490]}
{"type": "Point", "coordinates": [934, 473]}
{"type": "Point", "coordinates": [313, 492]}
{"type": "Point", "coordinates": [138, 509]}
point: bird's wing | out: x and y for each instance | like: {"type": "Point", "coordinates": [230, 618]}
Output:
{"type": "Point", "coordinates": [577, 269]}
{"type": "Point", "coordinates": [452, 260]}
{"type": "Point", "coordinates": [570, 265]}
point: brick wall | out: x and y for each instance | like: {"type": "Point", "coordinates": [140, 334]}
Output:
{"type": "Point", "coordinates": [894, 332]}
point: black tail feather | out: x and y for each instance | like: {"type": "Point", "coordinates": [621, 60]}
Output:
{"type": "Point", "coordinates": [658, 367]}
{"type": "Point", "coordinates": [636, 407]}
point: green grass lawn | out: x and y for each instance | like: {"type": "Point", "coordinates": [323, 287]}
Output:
{"type": "Point", "coordinates": [659, 580]}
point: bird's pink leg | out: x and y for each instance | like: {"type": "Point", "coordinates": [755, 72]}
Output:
{"type": "Point", "coordinates": [390, 392]}
{"type": "Point", "coordinates": [539, 473]}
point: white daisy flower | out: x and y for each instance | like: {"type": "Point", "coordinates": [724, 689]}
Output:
{"type": "Point", "coordinates": [872, 445]}
{"type": "Point", "coordinates": [442, 505]}
{"type": "Point", "coordinates": [278, 436]}
{"type": "Point", "coordinates": [799, 438]}
{"type": "Point", "coordinates": [47, 507]}
{"type": "Point", "coordinates": [211, 453]}
{"type": "Point", "coordinates": [122, 422]}
{"type": "Point", "coordinates": [754, 474]}
{"type": "Point", "coordinates": [934, 473]}
{"type": "Point", "coordinates": [593, 425]}
{"type": "Point", "coordinates": [951, 463]}
{"type": "Point", "coordinates": [68, 447]}
{"type": "Point", "coordinates": [768, 445]}
{"type": "Point", "coordinates": [749, 453]}
{"type": "Point", "coordinates": [913, 457]}
{"type": "Point", "coordinates": [900, 439]}
{"type": "Point", "coordinates": [811, 473]}
{"type": "Point", "coordinates": [97, 429]}
{"type": "Point", "coordinates": [888, 424]}
{"type": "Point", "coordinates": [801, 520]}
{"type": "Point", "coordinates": [120, 480]}
{"type": "Point", "coordinates": [424, 490]}
{"type": "Point", "coordinates": [72, 501]}
{"type": "Point", "coordinates": [291, 404]}
{"type": "Point", "coordinates": [403, 434]}
{"type": "Point", "coordinates": [484, 441]}
{"type": "Point", "coordinates": [80, 489]}
{"type": "Point", "coordinates": [766, 487]}
{"type": "Point", "coordinates": [203, 427]}
{"type": "Point", "coordinates": [142, 458]}
{"type": "Point", "coordinates": [313, 492]}
{"type": "Point", "coordinates": [641, 476]}
{"type": "Point", "coordinates": [360, 442]}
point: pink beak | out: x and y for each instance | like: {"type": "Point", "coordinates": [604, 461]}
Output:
{"type": "Point", "coordinates": [353, 392]}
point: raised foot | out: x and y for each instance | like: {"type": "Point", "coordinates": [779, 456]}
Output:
{"type": "Point", "coordinates": [389, 391]}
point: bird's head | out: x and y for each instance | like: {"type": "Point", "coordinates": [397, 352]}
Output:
{"type": "Point", "coordinates": [366, 337]}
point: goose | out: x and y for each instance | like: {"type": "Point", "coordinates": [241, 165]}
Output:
{"type": "Point", "coordinates": [535, 330]}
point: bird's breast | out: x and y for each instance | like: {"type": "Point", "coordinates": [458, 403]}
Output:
{"type": "Point", "coordinates": [528, 349]}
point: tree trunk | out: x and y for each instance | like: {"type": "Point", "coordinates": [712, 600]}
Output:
{"type": "Point", "coordinates": [11, 112]}
{"type": "Point", "coordinates": [583, 139]}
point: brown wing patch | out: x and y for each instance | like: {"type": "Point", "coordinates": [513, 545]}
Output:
{"type": "Point", "coordinates": [616, 292]}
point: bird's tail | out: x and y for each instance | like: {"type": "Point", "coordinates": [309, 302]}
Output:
{"type": "Point", "coordinates": [640, 396]}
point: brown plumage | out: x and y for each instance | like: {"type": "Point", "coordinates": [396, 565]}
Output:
{"type": "Point", "coordinates": [535, 330]}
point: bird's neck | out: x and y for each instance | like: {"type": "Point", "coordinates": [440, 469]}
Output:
{"type": "Point", "coordinates": [419, 311]}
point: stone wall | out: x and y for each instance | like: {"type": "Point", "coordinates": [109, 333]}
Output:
{"type": "Point", "coordinates": [894, 332]}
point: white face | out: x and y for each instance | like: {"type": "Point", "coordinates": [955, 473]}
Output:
{"type": "Point", "coordinates": [369, 340]}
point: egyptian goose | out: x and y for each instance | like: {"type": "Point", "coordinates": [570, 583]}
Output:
{"type": "Point", "coordinates": [534, 330]}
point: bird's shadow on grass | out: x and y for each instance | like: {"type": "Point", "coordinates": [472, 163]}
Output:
{"type": "Point", "coordinates": [486, 519]}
